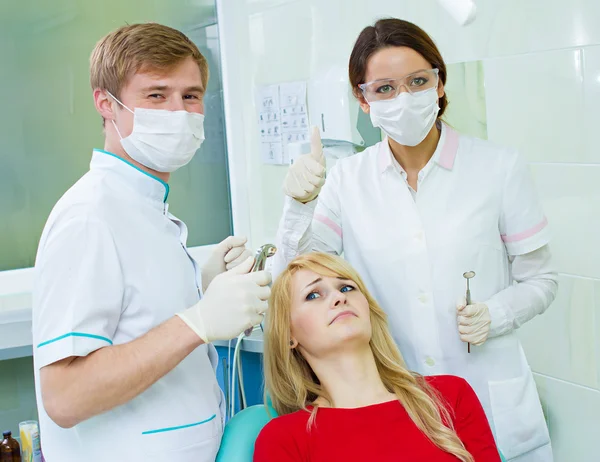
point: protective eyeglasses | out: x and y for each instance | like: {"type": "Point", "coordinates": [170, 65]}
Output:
{"type": "Point", "coordinates": [384, 89]}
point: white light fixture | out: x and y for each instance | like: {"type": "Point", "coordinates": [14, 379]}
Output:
{"type": "Point", "coordinates": [462, 11]}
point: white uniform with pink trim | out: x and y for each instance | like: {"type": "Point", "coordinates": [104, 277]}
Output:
{"type": "Point", "coordinates": [475, 209]}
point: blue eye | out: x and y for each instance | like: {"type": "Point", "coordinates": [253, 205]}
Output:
{"type": "Point", "coordinates": [347, 289]}
{"type": "Point", "coordinates": [312, 296]}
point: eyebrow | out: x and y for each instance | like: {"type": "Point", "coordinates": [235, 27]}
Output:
{"type": "Point", "coordinates": [398, 78]}
{"type": "Point", "coordinates": [193, 89]}
{"type": "Point", "coordinates": [313, 283]}
{"type": "Point", "coordinates": [316, 281]}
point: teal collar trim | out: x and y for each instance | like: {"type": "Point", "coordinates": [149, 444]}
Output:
{"type": "Point", "coordinates": [166, 185]}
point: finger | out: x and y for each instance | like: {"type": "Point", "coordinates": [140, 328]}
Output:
{"type": "Point", "coordinates": [261, 278]}
{"type": "Point", "coordinates": [262, 307]}
{"type": "Point", "coordinates": [229, 243]}
{"type": "Point", "coordinates": [243, 268]}
{"type": "Point", "coordinates": [256, 319]}
{"type": "Point", "coordinates": [291, 188]}
{"type": "Point", "coordinates": [314, 180]}
{"type": "Point", "coordinates": [306, 186]}
{"type": "Point", "coordinates": [462, 329]}
{"type": "Point", "coordinates": [469, 311]}
{"type": "Point", "coordinates": [316, 147]}
{"type": "Point", "coordinates": [301, 187]}
{"type": "Point", "coordinates": [479, 340]}
{"type": "Point", "coordinates": [465, 339]}
{"type": "Point", "coordinates": [463, 321]}
{"type": "Point", "coordinates": [234, 253]}
{"type": "Point", "coordinates": [314, 167]}
{"type": "Point", "coordinates": [461, 303]}
{"type": "Point", "coordinates": [238, 261]}
{"type": "Point", "coordinates": [263, 293]}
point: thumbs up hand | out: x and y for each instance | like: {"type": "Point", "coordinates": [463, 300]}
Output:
{"type": "Point", "coordinates": [306, 177]}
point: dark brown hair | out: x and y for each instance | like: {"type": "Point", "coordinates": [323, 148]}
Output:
{"type": "Point", "coordinates": [393, 33]}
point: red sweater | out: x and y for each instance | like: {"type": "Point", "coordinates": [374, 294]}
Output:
{"type": "Point", "coordinates": [381, 432]}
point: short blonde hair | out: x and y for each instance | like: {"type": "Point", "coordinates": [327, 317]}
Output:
{"type": "Point", "coordinates": [292, 385]}
{"type": "Point", "coordinates": [140, 47]}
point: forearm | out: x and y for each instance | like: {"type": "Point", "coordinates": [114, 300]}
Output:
{"type": "Point", "coordinates": [300, 232]}
{"type": "Point", "coordinates": [75, 389]}
{"type": "Point", "coordinates": [537, 284]}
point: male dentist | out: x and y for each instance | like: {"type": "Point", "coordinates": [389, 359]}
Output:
{"type": "Point", "coordinates": [124, 368]}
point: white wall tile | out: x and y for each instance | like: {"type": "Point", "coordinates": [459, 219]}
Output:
{"type": "Point", "coordinates": [501, 28]}
{"type": "Point", "coordinates": [561, 342]}
{"type": "Point", "coordinates": [535, 103]}
{"type": "Point", "coordinates": [572, 414]}
{"type": "Point", "coordinates": [596, 322]}
{"type": "Point", "coordinates": [571, 199]}
{"type": "Point", "coordinates": [592, 103]}
{"type": "Point", "coordinates": [537, 25]}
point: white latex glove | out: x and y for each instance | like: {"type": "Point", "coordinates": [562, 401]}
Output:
{"type": "Point", "coordinates": [226, 255]}
{"type": "Point", "coordinates": [473, 322]}
{"type": "Point", "coordinates": [306, 177]}
{"type": "Point", "coordinates": [235, 301]}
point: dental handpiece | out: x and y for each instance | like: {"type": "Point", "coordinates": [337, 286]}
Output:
{"type": "Point", "coordinates": [260, 261]}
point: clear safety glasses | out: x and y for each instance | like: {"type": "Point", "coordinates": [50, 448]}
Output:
{"type": "Point", "coordinates": [384, 89]}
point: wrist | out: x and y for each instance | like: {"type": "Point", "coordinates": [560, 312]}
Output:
{"type": "Point", "coordinates": [191, 327]}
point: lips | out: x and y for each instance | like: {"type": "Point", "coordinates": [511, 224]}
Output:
{"type": "Point", "coordinates": [342, 314]}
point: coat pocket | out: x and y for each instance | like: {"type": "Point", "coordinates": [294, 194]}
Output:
{"type": "Point", "coordinates": [517, 414]}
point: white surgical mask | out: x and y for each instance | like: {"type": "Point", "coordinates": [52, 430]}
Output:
{"type": "Point", "coordinates": [407, 118]}
{"type": "Point", "coordinates": [163, 140]}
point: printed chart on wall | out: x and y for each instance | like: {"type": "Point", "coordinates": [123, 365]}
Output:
{"type": "Point", "coordinates": [282, 119]}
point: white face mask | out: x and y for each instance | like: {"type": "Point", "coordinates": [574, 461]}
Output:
{"type": "Point", "coordinates": [407, 118]}
{"type": "Point", "coordinates": [163, 140]}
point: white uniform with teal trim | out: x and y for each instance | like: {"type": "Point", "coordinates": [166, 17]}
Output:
{"type": "Point", "coordinates": [111, 265]}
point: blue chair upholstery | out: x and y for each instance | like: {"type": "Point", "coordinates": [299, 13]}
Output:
{"type": "Point", "coordinates": [241, 432]}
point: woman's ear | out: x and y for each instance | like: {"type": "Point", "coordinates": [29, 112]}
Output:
{"type": "Point", "coordinates": [441, 91]}
{"type": "Point", "coordinates": [293, 343]}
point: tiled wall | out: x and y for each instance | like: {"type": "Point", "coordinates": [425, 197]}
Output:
{"type": "Point", "coordinates": [541, 62]}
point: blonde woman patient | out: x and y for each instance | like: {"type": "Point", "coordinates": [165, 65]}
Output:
{"type": "Point", "coordinates": [340, 386]}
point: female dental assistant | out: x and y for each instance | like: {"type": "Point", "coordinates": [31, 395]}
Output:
{"type": "Point", "coordinates": [415, 212]}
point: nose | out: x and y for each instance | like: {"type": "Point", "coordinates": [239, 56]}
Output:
{"type": "Point", "coordinates": [338, 299]}
{"type": "Point", "coordinates": [176, 103]}
{"type": "Point", "coordinates": [403, 89]}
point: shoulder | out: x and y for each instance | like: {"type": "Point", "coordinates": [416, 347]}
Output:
{"type": "Point", "coordinates": [446, 383]}
{"type": "Point", "coordinates": [477, 150]}
{"type": "Point", "coordinates": [451, 387]}
{"type": "Point", "coordinates": [286, 423]}
{"type": "Point", "coordinates": [87, 203]}
{"type": "Point", "coordinates": [78, 215]}
{"type": "Point", "coordinates": [286, 431]}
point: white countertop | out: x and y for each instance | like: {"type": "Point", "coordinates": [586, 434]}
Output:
{"type": "Point", "coordinates": [15, 326]}
{"type": "Point", "coordinates": [15, 312]}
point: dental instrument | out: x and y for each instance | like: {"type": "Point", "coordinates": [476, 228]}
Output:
{"type": "Point", "coordinates": [468, 276]}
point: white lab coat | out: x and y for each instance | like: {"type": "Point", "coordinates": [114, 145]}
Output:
{"type": "Point", "coordinates": [475, 209]}
{"type": "Point", "coordinates": [111, 265]}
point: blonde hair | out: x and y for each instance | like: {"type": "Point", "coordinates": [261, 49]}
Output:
{"type": "Point", "coordinates": [140, 47]}
{"type": "Point", "coordinates": [292, 384]}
